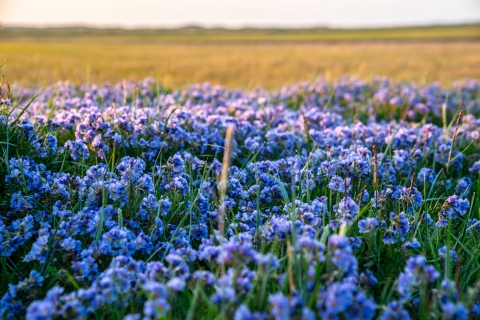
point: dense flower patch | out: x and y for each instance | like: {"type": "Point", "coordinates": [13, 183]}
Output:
{"type": "Point", "coordinates": [345, 200]}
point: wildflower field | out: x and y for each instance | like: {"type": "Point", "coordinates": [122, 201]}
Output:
{"type": "Point", "coordinates": [324, 200]}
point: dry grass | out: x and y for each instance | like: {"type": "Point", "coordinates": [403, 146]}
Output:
{"type": "Point", "coordinates": [240, 65]}
{"type": "Point", "coordinates": [193, 35]}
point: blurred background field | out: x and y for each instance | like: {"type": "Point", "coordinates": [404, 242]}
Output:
{"type": "Point", "coordinates": [245, 58]}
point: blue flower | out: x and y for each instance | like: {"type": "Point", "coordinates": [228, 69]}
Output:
{"type": "Point", "coordinates": [165, 206]}
{"type": "Point", "coordinates": [41, 310]}
{"type": "Point", "coordinates": [344, 299]}
{"type": "Point", "coordinates": [78, 150]}
{"type": "Point", "coordinates": [367, 225]}
{"type": "Point", "coordinates": [70, 244]}
{"type": "Point", "coordinates": [176, 284]}
{"type": "Point", "coordinates": [412, 245]}
{"type": "Point", "coordinates": [343, 256]}
{"type": "Point", "coordinates": [156, 308]}
{"type": "Point", "coordinates": [223, 294]}
{"type": "Point", "coordinates": [416, 273]}
{"type": "Point", "coordinates": [39, 250]}
{"type": "Point", "coordinates": [454, 311]}
{"type": "Point", "coordinates": [426, 175]}
{"type": "Point", "coordinates": [443, 253]}
{"type": "Point", "coordinates": [475, 168]}
{"type": "Point", "coordinates": [51, 142]}
{"type": "Point", "coordinates": [453, 207]}
{"type": "Point", "coordinates": [130, 169]}
{"type": "Point", "coordinates": [117, 191]}
{"type": "Point", "coordinates": [339, 184]}
{"type": "Point", "coordinates": [279, 306]}
{"type": "Point", "coordinates": [395, 311]}
{"type": "Point", "coordinates": [178, 184]}
{"type": "Point", "coordinates": [346, 209]}
{"type": "Point", "coordinates": [199, 232]}
{"type": "Point", "coordinates": [463, 186]}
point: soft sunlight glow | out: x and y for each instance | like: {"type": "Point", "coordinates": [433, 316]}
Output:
{"type": "Point", "coordinates": [236, 13]}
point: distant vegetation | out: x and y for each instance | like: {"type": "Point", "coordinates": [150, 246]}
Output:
{"type": "Point", "coordinates": [201, 35]}
{"type": "Point", "coordinates": [247, 58]}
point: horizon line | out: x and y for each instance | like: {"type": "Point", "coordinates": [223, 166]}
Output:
{"type": "Point", "coordinates": [230, 28]}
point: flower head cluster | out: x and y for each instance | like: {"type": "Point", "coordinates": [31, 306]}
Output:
{"type": "Point", "coordinates": [133, 211]}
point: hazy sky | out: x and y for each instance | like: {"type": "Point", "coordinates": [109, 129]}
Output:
{"type": "Point", "coordinates": [238, 13]}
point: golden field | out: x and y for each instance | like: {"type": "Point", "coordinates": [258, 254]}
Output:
{"type": "Point", "coordinates": [43, 59]}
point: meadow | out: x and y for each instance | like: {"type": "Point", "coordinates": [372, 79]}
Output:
{"type": "Point", "coordinates": [344, 199]}
{"type": "Point", "coordinates": [333, 198]}
{"type": "Point", "coordinates": [243, 58]}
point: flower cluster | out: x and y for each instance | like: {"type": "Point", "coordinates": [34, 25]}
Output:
{"type": "Point", "coordinates": [344, 200]}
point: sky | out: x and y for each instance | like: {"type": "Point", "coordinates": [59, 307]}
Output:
{"type": "Point", "coordinates": [237, 13]}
